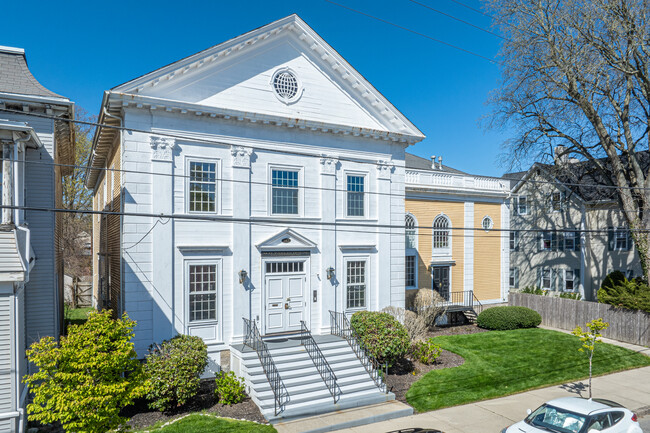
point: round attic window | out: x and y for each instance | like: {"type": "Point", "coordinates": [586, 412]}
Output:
{"type": "Point", "coordinates": [286, 85]}
{"type": "Point", "coordinates": [487, 223]}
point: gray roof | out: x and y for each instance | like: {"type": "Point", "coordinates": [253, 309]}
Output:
{"type": "Point", "coordinates": [10, 260]}
{"type": "Point", "coordinates": [584, 178]}
{"type": "Point", "coordinates": [418, 163]}
{"type": "Point", "coordinates": [15, 76]}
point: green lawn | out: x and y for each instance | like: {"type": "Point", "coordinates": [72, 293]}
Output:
{"type": "Point", "coordinates": [199, 423]}
{"type": "Point", "coordinates": [77, 316]}
{"type": "Point", "coordinates": [499, 363]}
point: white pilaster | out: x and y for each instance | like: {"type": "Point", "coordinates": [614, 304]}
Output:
{"type": "Point", "coordinates": [330, 291]}
{"type": "Point", "coordinates": [468, 259]}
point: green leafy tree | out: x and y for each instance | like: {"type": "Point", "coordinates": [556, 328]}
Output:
{"type": "Point", "coordinates": [84, 380]}
{"type": "Point", "coordinates": [76, 228]}
{"type": "Point", "coordinates": [589, 339]}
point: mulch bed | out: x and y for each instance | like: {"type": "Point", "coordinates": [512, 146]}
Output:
{"type": "Point", "coordinates": [141, 416]}
{"type": "Point", "coordinates": [402, 376]}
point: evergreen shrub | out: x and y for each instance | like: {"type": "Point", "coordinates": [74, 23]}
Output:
{"type": "Point", "coordinates": [229, 388]}
{"type": "Point", "coordinates": [382, 336]}
{"type": "Point", "coordinates": [173, 371]}
{"type": "Point", "coordinates": [508, 317]}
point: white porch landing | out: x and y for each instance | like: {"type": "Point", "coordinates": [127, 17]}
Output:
{"type": "Point", "coordinates": [308, 394]}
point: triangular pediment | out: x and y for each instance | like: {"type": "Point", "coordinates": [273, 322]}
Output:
{"type": "Point", "coordinates": [287, 239]}
{"type": "Point", "coordinates": [239, 75]}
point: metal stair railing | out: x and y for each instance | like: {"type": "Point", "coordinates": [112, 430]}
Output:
{"type": "Point", "coordinates": [477, 307]}
{"type": "Point", "coordinates": [340, 326]}
{"type": "Point", "coordinates": [320, 362]}
{"type": "Point", "coordinates": [253, 339]}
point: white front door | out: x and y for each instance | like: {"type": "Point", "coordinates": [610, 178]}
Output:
{"type": "Point", "coordinates": [285, 296]}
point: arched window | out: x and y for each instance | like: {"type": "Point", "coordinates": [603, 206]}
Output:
{"type": "Point", "coordinates": [441, 232]}
{"type": "Point", "coordinates": [411, 232]}
{"type": "Point", "coordinates": [487, 223]}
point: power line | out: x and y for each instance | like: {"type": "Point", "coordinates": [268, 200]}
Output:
{"type": "Point", "coordinates": [299, 221]}
{"type": "Point", "coordinates": [414, 32]}
{"type": "Point", "coordinates": [457, 19]}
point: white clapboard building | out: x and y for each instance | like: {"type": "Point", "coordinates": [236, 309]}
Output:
{"type": "Point", "coordinates": [261, 183]}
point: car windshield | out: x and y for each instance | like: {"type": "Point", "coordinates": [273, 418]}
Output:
{"type": "Point", "coordinates": [554, 419]}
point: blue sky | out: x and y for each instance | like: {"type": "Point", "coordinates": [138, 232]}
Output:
{"type": "Point", "coordinates": [81, 48]}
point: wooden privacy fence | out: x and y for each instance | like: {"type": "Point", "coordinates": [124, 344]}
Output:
{"type": "Point", "coordinates": [624, 325]}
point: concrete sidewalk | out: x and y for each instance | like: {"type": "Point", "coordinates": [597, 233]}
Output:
{"type": "Point", "coordinates": [630, 388]}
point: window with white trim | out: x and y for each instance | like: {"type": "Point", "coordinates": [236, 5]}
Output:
{"type": "Point", "coordinates": [202, 186]}
{"type": "Point", "coordinates": [202, 292]}
{"type": "Point", "coordinates": [514, 278]}
{"type": "Point", "coordinates": [556, 201]}
{"type": "Point", "coordinates": [284, 191]}
{"type": "Point", "coordinates": [411, 232]}
{"type": "Point", "coordinates": [356, 195]}
{"type": "Point", "coordinates": [441, 232]}
{"type": "Point", "coordinates": [514, 240]}
{"type": "Point", "coordinates": [546, 241]}
{"type": "Point", "coordinates": [569, 280]}
{"type": "Point", "coordinates": [487, 223]}
{"type": "Point", "coordinates": [522, 205]}
{"type": "Point", "coordinates": [410, 271]}
{"type": "Point", "coordinates": [546, 279]}
{"type": "Point", "coordinates": [355, 284]}
{"type": "Point", "coordinates": [620, 236]}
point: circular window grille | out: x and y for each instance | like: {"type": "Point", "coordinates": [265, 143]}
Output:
{"type": "Point", "coordinates": [286, 85]}
{"type": "Point", "coordinates": [487, 223]}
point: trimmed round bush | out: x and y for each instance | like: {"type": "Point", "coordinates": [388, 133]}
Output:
{"type": "Point", "coordinates": [510, 317]}
{"type": "Point", "coordinates": [173, 369]}
{"type": "Point", "coordinates": [382, 336]}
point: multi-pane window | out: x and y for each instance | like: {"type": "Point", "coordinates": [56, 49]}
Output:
{"type": "Point", "coordinates": [284, 194]}
{"type": "Point", "coordinates": [546, 278]}
{"type": "Point", "coordinates": [522, 205]}
{"type": "Point", "coordinates": [514, 277]}
{"type": "Point", "coordinates": [487, 223]}
{"type": "Point", "coordinates": [514, 241]}
{"type": "Point", "coordinates": [356, 284]}
{"type": "Point", "coordinates": [441, 232]}
{"type": "Point", "coordinates": [202, 292]}
{"type": "Point", "coordinates": [284, 267]}
{"type": "Point", "coordinates": [410, 271]}
{"type": "Point", "coordinates": [556, 201]}
{"type": "Point", "coordinates": [546, 241]}
{"type": "Point", "coordinates": [203, 186]}
{"type": "Point", "coordinates": [356, 189]}
{"type": "Point", "coordinates": [620, 239]}
{"type": "Point", "coordinates": [569, 278]}
{"type": "Point", "coordinates": [411, 232]}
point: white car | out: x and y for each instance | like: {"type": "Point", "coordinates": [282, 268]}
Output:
{"type": "Point", "coordinates": [578, 415]}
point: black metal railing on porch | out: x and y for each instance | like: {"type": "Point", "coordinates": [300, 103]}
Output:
{"type": "Point", "coordinates": [340, 326]}
{"type": "Point", "coordinates": [459, 299]}
{"type": "Point", "coordinates": [253, 339]}
{"type": "Point", "coordinates": [320, 362]}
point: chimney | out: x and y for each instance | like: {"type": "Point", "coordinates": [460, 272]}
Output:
{"type": "Point", "coordinates": [433, 162]}
{"type": "Point", "coordinates": [440, 162]}
{"type": "Point", "coordinates": [559, 155]}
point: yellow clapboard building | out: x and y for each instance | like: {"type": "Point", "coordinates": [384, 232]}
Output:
{"type": "Point", "coordinates": [457, 239]}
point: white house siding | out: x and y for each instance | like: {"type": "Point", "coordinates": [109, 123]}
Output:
{"type": "Point", "coordinates": [41, 311]}
{"type": "Point", "coordinates": [154, 295]}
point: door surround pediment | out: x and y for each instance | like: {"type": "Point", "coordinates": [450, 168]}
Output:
{"type": "Point", "coordinates": [287, 240]}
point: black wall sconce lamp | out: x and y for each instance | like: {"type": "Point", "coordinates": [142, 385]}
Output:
{"type": "Point", "coordinates": [330, 273]}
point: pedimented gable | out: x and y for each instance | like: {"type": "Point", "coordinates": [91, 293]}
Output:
{"type": "Point", "coordinates": [287, 239]}
{"type": "Point", "coordinates": [239, 75]}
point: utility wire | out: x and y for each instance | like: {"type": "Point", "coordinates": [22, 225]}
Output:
{"type": "Point", "coordinates": [414, 32]}
{"type": "Point", "coordinates": [287, 152]}
{"type": "Point", "coordinates": [457, 19]}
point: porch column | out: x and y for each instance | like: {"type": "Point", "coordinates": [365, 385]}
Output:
{"type": "Point", "coordinates": [327, 298]}
{"type": "Point", "coordinates": [245, 296]}
{"type": "Point", "coordinates": [7, 183]}
{"type": "Point", "coordinates": [162, 240]}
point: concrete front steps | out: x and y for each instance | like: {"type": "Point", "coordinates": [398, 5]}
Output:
{"type": "Point", "coordinates": [308, 395]}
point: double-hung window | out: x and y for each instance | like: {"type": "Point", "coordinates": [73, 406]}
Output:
{"type": "Point", "coordinates": [569, 279]}
{"type": "Point", "coordinates": [546, 241]}
{"type": "Point", "coordinates": [284, 192]}
{"type": "Point", "coordinates": [514, 241]}
{"type": "Point", "coordinates": [203, 186]}
{"type": "Point", "coordinates": [620, 239]}
{"type": "Point", "coordinates": [355, 284]}
{"type": "Point", "coordinates": [356, 197]}
{"type": "Point", "coordinates": [514, 278]}
{"type": "Point", "coordinates": [411, 232]}
{"type": "Point", "coordinates": [202, 292]}
{"type": "Point", "coordinates": [522, 205]}
{"type": "Point", "coordinates": [410, 271]}
{"type": "Point", "coordinates": [557, 200]}
{"type": "Point", "coordinates": [546, 278]}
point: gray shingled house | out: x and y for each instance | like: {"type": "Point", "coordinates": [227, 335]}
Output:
{"type": "Point", "coordinates": [34, 136]}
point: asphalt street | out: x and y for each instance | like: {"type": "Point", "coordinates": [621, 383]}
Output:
{"type": "Point", "coordinates": [645, 423]}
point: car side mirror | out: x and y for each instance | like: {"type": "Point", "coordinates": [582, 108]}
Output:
{"type": "Point", "coordinates": [528, 411]}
